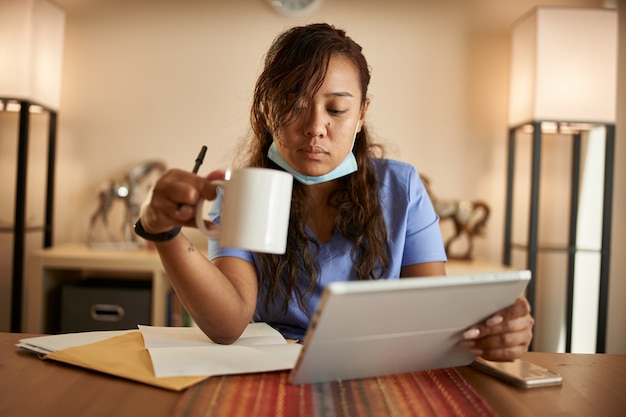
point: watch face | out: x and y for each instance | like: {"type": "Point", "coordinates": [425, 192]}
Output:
{"type": "Point", "coordinates": [295, 8]}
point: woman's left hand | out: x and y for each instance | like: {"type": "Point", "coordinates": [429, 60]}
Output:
{"type": "Point", "coordinates": [504, 336]}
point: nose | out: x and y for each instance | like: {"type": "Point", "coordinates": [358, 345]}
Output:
{"type": "Point", "coordinates": [316, 125]}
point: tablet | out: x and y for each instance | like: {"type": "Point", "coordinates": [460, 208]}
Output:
{"type": "Point", "coordinates": [372, 328]}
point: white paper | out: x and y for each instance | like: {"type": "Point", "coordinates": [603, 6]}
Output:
{"type": "Point", "coordinates": [223, 359]}
{"type": "Point", "coordinates": [187, 351]}
{"type": "Point", "coordinates": [170, 337]}
{"type": "Point", "coordinates": [47, 344]}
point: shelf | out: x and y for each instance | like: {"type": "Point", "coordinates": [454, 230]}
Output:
{"type": "Point", "coordinates": [541, 248]}
{"type": "Point", "coordinates": [59, 265]}
{"type": "Point", "coordinates": [474, 266]}
{"type": "Point", "coordinates": [27, 229]}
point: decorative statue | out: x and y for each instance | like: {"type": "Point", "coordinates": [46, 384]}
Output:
{"type": "Point", "coordinates": [131, 189]}
{"type": "Point", "coordinates": [469, 219]}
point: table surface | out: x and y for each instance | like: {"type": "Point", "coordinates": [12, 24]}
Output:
{"type": "Point", "coordinates": [594, 385]}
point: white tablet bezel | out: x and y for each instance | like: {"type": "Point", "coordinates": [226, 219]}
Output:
{"type": "Point", "coordinates": [371, 328]}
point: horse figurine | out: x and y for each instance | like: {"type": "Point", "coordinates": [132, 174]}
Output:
{"type": "Point", "coordinates": [129, 190]}
{"type": "Point", "coordinates": [469, 219]}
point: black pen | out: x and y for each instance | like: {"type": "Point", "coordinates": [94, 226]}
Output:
{"type": "Point", "coordinates": [199, 160]}
{"type": "Point", "coordinates": [196, 166]}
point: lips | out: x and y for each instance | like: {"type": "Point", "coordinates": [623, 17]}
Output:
{"type": "Point", "coordinates": [313, 152]}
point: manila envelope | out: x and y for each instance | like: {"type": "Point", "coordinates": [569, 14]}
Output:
{"type": "Point", "coordinates": [124, 356]}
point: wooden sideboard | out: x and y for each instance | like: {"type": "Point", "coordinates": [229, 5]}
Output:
{"type": "Point", "coordinates": [53, 267]}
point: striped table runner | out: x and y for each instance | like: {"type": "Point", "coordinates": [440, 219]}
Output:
{"type": "Point", "coordinates": [440, 393]}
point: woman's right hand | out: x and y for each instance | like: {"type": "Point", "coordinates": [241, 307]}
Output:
{"type": "Point", "coordinates": [172, 200]}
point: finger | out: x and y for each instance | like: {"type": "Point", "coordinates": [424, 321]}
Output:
{"type": "Point", "coordinates": [514, 332]}
{"type": "Point", "coordinates": [521, 307]}
{"type": "Point", "coordinates": [504, 354]}
{"type": "Point", "coordinates": [187, 188]}
{"type": "Point", "coordinates": [505, 345]}
{"type": "Point", "coordinates": [500, 352]}
{"type": "Point", "coordinates": [218, 174]}
{"type": "Point", "coordinates": [173, 199]}
{"type": "Point", "coordinates": [495, 327]}
{"type": "Point", "coordinates": [160, 210]}
{"type": "Point", "coordinates": [511, 318]}
{"type": "Point", "coordinates": [502, 340]}
{"type": "Point", "coordinates": [208, 189]}
{"type": "Point", "coordinates": [156, 219]}
{"type": "Point", "coordinates": [177, 188]}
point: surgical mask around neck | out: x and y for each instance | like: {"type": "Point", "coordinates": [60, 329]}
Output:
{"type": "Point", "coordinates": [346, 167]}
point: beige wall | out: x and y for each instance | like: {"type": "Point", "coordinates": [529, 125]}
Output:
{"type": "Point", "coordinates": [158, 79]}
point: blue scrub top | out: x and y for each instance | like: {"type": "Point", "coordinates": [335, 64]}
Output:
{"type": "Point", "coordinates": [414, 237]}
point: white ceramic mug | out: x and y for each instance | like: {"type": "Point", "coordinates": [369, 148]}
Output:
{"type": "Point", "coordinates": [255, 210]}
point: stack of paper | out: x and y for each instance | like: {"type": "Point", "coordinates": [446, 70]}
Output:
{"type": "Point", "coordinates": [184, 351]}
{"type": "Point", "coordinates": [169, 357]}
{"type": "Point", "coordinates": [44, 345]}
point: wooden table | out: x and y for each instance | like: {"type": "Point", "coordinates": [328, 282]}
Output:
{"type": "Point", "coordinates": [31, 387]}
{"type": "Point", "coordinates": [594, 385]}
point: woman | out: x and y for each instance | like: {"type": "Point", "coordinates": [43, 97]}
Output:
{"type": "Point", "coordinates": [354, 215]}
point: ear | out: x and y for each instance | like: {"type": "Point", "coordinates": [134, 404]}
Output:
{"type": "Point", "coordinates": [363, 113]}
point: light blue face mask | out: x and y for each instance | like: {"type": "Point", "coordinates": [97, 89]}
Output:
{"type": "Point", "coordinates": [346, 167]}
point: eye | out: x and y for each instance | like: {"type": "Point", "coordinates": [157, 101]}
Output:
{"type": "Point", "coordinates": [336, 112]}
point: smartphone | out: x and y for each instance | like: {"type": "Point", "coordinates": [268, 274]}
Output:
{"type": "Point", "coordinates": [520, 373]}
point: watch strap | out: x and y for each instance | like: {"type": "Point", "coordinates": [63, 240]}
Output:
{"type": "Point", "coordinates": [155, 237]}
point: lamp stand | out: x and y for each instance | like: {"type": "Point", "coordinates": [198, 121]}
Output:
{"type": "Point", "coordinates": [20, 228]}
{"type": "Point", "coordinates": [532, 247]}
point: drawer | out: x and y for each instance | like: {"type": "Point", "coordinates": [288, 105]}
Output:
{"type": "Point", "coordinates": [101, 304]}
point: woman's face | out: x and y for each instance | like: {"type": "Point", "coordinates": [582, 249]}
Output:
{"type": "Point", "coordinates": [319, 139]}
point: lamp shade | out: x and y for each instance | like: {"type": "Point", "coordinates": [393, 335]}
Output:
{"type": "Point", "coordinates": [564, 66]}
{"type": "Point", "coordinates": [31, 51]}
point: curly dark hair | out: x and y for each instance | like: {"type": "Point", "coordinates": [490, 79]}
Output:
{"type": "Point", "coordinates": [295, 67]}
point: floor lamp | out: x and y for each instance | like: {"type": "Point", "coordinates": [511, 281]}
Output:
{"type": "Point", "coordinates": [31, 35]}
{"type": "Point", "coordinates": [563, 85]}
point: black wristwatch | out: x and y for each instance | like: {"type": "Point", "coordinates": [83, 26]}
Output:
{"type": "Point", "coordinates": [155, 237]}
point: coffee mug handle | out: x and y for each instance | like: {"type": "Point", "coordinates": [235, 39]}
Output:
{"type": "Point", "coordinates": [214, 231]}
